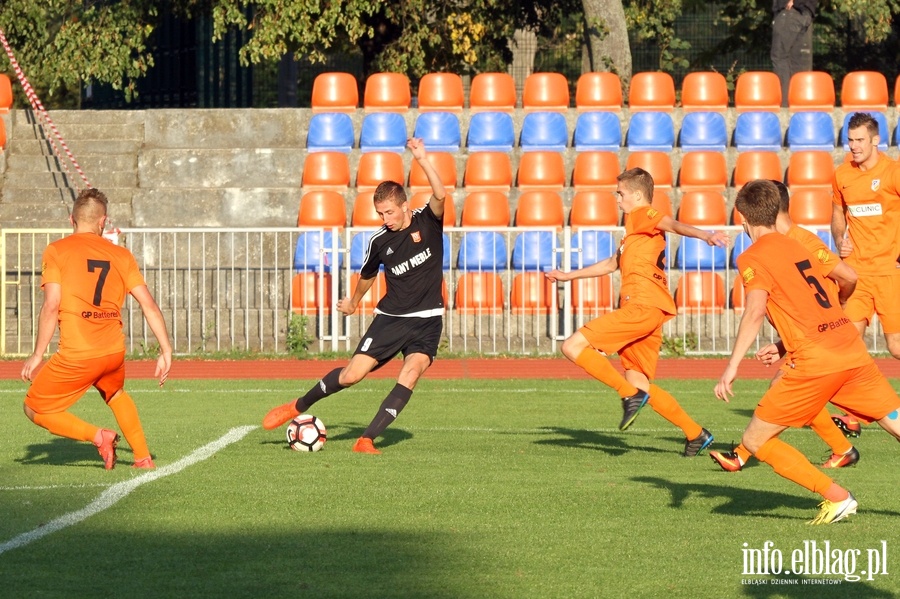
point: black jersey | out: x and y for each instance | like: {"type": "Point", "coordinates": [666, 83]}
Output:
{"type": "Point", "coordinates": [412, 260]}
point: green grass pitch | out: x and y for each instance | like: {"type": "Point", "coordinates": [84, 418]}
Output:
{"type": "Point", "coordinates": [485, 488]}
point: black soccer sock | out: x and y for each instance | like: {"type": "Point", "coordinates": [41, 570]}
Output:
{"type": "Point", "coordinates": [390, 408]}
{"type": "Point", "coordinates": [325, 387]}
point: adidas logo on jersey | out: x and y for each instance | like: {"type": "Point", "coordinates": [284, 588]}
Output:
{"type": "Point", "coordinates": [389, 251]}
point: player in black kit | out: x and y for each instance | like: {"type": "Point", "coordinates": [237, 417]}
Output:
{"type": "Point", "coordinates": [408, 319]}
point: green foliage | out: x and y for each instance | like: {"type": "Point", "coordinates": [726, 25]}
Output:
{"type": "Point", "coordinates": [655, 20]}
{"type": "Point", "coordinates": [679, 346]}
{"type": "Point", "coordinates": [298, 338]}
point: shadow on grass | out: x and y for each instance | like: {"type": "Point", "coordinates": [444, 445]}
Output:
{"type": "Point", "coordinates": [611, 444]}
{"type": "Point", "coordinates": [347, 432]}
{"type": "Point", "coordinates": [59, 451]}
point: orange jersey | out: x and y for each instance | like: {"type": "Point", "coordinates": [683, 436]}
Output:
{"type": "Point", "coordinates": [871, 203]}
{"type": "Point", "coordinates": [94, 276]}
{"type": "Point", "coordinates": [642, 260]}
{"type": "Point", "coordinates": [802, 308]}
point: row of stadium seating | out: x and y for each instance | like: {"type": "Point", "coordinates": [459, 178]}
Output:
{"type": "Point", "coordinates": [703, 91]}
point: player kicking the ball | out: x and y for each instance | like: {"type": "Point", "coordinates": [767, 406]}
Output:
{"type": "Point", "coordinates": [408, 319]}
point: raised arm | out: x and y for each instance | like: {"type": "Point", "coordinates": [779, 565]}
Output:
{"type": "Point", "coordinates": [671, 225]}
{"type": "Point", "coordinates": [438, 193]}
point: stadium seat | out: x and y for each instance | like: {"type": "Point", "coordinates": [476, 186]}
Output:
{"type": "Point", "coordinates": [703, 171]}
{"type": "Point", "coordinates": [757, 91]}
{"type": "Point", "coordinates": [758, 131]}
{"type": "Point", "coordinates": [545, 92]}
{"type": "Point", "coordinates": [310, 292]}
{"type": "Point", "coordinates": [315, 252]}
{"type": "Point", "coordinates": [593, 296]}
{"type": "Point", "coordinates": [595, 170]}
{"type": "Point", "coordinates": [827, 239]}
{"type": "Point", "coordinates": [493, 92]}
{"type": "Point", "coordinates": [658, 164]}
{"type": "Point", "coordinates": [810, 169]}
{"type": "Point", "coordinates": [703, 131]}
{"type": "Point", "coordinates": [594, 208]}
{"type": "Point", "coordinates": [741, 243]}
{"type": "Point", "coordinates": [738, 297]}
{"type": "Point", "coordinates": [811, 207]}
{"type": "Point", "coordinates": [541, 170]}
{"type": "Point", "coordinates": [331, 92]}
{"type": "Point", "coordinates": [490, 132]}
{"type": "Point", "coordinates": [704, 91]}
{"type": "Point", "coordinates": [2, 136]}
{"type": "Point", "coordinates": [884, 134]}
{"type": "Point", "coordinates": [651, 131]}
{"type": "Point", "coordinates": [485, 209]}
{"type": "Point", "coordinates": [358, 245]}
{"type": "Point", "coordinates": [6, 96]}
{"type": "Point", "coordinates": [445, 165]}
{"type": "Point", "coordinates": [696, 254]}
{"type": "Point", "coordinates": [756, 165]}
{"type": "Point", "coordinates": [482, 251]}
{"type": "Point", "coordinates": [737, 219]}
{"type": "Point", "coordinates": [488, 171]}
{"type": "Point", "coordinates": [531, 293]}
{"type": "Point", "coordinates": [387, 92]}
{"type": "Point", "coordinates": [421, 198]}
{"type": "Point", "coordinates": [701, 208]}
{"type": "Point", "coordinates": [479, 293]}
{"type": "Point", "coordinates": [662, 202]}
{"type": "Point", "coordinates": [811, 131]}
{"type": "Point", "coordinates": [864, 90]}
{"type": "Point", "coordinates": [700, 293]}
{"type": "Point", "coordinates": [439, 130]}
{"type": "Point", "coordinates": [811, 90]}
{"type": "Point", "coordinates": [373, 295]}
{"type": "Point", "coordinates": [441, 92]}
{"type": "Point", "coordinates": [383, 132]}
{"type": "Point", "coordinates": [376, 167]}
{"type": "Point", "coordinates": [591, 246]}
{"type": "Point", "coordinates": [897, 90]}
{"type": "Point", "coordinates": [326, 170]}
{"type": "Point", "coordinates": [534, 250]}
{"type": "Point", "coordinates": [540, 209]}
{"type": "Point", "coordinates": [544, 131]}
{"type": "Point", "coordinates": [598, 91]}
{"type": "Point", "coordinates": [598, 131]}
{"type": "Point", "coordinates": [364, 214]}
{"type": "Point", "coordinates": [330, 132]}
{"type": "Point", "coordinates": [322, 209]}
{"type": "Point", "coordinates": [651, 91]}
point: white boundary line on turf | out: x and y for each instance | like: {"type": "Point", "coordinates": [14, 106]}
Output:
{"type": "Point", "coordinates": [118, 491]}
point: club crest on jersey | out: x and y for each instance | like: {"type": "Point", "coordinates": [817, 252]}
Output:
{"type": "Point", "coordinates": [823, 255]}
{"type": "Point", "coordinates": [652, 212]}
{"type": "Point", "coordinates": [876, 183]}
{"type": "Point", "coordinates": [416, 236]}
{"type": "Point", "coordinates": [748, 275]}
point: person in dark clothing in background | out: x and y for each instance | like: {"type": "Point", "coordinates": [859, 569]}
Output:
{"type": "Point", "coordinates": [791, 40]}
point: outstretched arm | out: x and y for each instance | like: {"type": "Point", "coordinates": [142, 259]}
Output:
{"type": "Point", "coordinates": [438, 193]}
{"type": "Point", "coordinates": [153, 316]}
{"type": "Point", "coordinates": [671, 225]}
{"type": "Point", "coordinates": [598, 269]}
{"type": "Point", "coordinates": [46, 327]}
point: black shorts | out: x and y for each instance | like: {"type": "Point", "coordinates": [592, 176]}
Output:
{"type": "Point", "coordinates": [389, 335]}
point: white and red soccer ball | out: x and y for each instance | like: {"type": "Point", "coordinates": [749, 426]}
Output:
{"type": "Point", "coordinates": [306, 433]}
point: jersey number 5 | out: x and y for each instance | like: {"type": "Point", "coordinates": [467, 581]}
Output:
{"type": "Point", "coordinates": [103, 265]}
{"type": "Point", "coordinates": [820, 294]}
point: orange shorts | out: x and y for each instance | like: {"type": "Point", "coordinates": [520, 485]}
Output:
{"type": "Point", "coordinates": [876, 295]}
{"type": "Point", "coordinates": [61, 382]}
{"type": "Point", "coordinates": [794, 400]}
{"type": "Point", "coordinates": [634, 331]}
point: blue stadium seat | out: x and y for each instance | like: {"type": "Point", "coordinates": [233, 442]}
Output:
{"type": "Point", "coordinates": [544, 131]}
{"type": "Point", "coordinates": [704, 131]}
{"type": "Point", "coordinates": [741, 243]}
{"type": "Point", "coordinates": [695, 254]}
{"type": "Point", "coordinates": [827, 239]}
{"type": "Point", "coordinates": [491, 132]}
{"type": "Point", "coordinates": [358, 245]}
{"type": "Point", "coordinates": [883, 132]}
{"type": "Point", "coordinates": [446, 263]}
{"type": "Point", "coordinates": [534, 250]}
{"type": "Point", "coordinates": [383, 132]}
{"type": "Point", "coordinates": [651, 131]}
{"type": "Point", "coordinates": [590, 247]}
{"type": "Point", "coordinates": [439, 130]}
{"type": "Point", "coordinates": [758, 131]}
{"type": "Point", "coordinates": [330, 132]}
{"type": "Point", "coordinates": [598, 131]}
{"type": "Point", "coordinates": [482, 251]}
{"type": "Point", "coordinates": [811, 131]}
{"type": "Point", "coordinates": [314, 253]}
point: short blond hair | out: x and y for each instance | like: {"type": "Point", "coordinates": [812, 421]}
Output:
{"type": "Point", "coordinates": [90, 205]}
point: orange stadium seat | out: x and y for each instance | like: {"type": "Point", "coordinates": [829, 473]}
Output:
{"type": "Point", "coordinates": [594, 208]}
{"type": "Point", "coordinates": [811, 206]}
{"type": "Point", "coordinates": [652, 91]}
{"type": "Point", "coordinates": [546, 92]}
{"type": "Point", "coordinates": [897, 90]}
{"type": "Point", "coordinates": [364, 214]}
{"type": "Point", "coordinates": [421, 198]}
{"type": "Point", "coordinates": [479, 293]}
{"type": "Point", "coordinates": [811, 90]}
{"type": "Point", "coordinates": [322, 209]}
{"type": "Point", "coordinates": [373, 295]}
{"type": "Point", "coordinates": [864, 90]}
{"type": "Point", "coordinates": [310, 291]}
{"type": "Point", "coordinates": [593, 296]}
{"type": "Point", "coordinates": [595, 170]}
{"type": "Point", "coordinates": [599, 91]}
{"type": "Point", "coordinates": [540, 209]}
{"type": "Point", "coordinates": [326, 170]}
{"type": "Point", "coordinates": [738, 296]}
{"type": "Point", "coordinates": [333, 92]}
{"type": "Point", "coordinates": [485, 209]}
{"type": "Point", "coordinates": [702, 208]}
{"type": "Point", "coordinates": [441, 91]}
{"type": "Point", "coordinates": [700, 292]}
{"type": "Point", "coordinates": [810, 169]}
{"type": "Point", "coordinates": [445, 165]}
{"type": "Point", "coordinates": [492, 91]}
{"type": "Point", "coordinates": [532, 293]}
{"type": "Point", "coordinates": [757, 91]}
{"type": "Point", "coordinates": [2, 136]}
{"type": "Point", "coordinates": [662, 202]}
{"type": "Point", "coordinates": [541, 170]}
{"type": "Point", "coordinates": [703, 170]}
{"type": "Point", "coordinates": [757, 165]}
{"type": "Point", "coordinates": [375, 167]}
{"type": "Point", "coordinates": [658, 164]}
{"type": "Point", "coordinates": [387, 92]}
{"type": "Point", "coordinates": [704, 91]}
{"type": "Point", "coordinates": [488, 171]}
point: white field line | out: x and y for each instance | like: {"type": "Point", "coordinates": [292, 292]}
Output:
{"type": "Point", "coordinates": [120, 490]}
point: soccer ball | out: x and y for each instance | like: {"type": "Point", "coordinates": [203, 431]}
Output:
{"type": "Point", "coordinates": [306, 433]}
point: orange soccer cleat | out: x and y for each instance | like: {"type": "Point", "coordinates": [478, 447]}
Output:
{"type": "Point", "coordinates": [842, 460]}
{"type": "Point", "coordinates": [144, 463]}
{"type": "Point", "coordinates": [280, 415]}
{"type": "Point", "coordinates": [364, 445]}
{"type": "Point", "coordinates": [106, 442]}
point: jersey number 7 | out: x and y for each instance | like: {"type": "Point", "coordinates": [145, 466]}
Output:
{"type": "Point", "coordinates": [103, 265]}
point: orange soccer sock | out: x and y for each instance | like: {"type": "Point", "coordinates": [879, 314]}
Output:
{"type": "Point", "coordinates": [831, 434]}
{"type": "Point", "coordinates": [793, 465]}
{"type": "Point", "coordinates": [67, 425]}
{"type": "Point", "coordinates": [742, 453]}
{"type": "Point", "coordinates": [598, 366]}
{"type": "Point", "coordinates": [126, 414]}
{"type": "Point", "coordinates": [668, 407]}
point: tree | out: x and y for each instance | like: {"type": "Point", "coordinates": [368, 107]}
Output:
{"type": "Point", "coordinates": [606, 38]}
